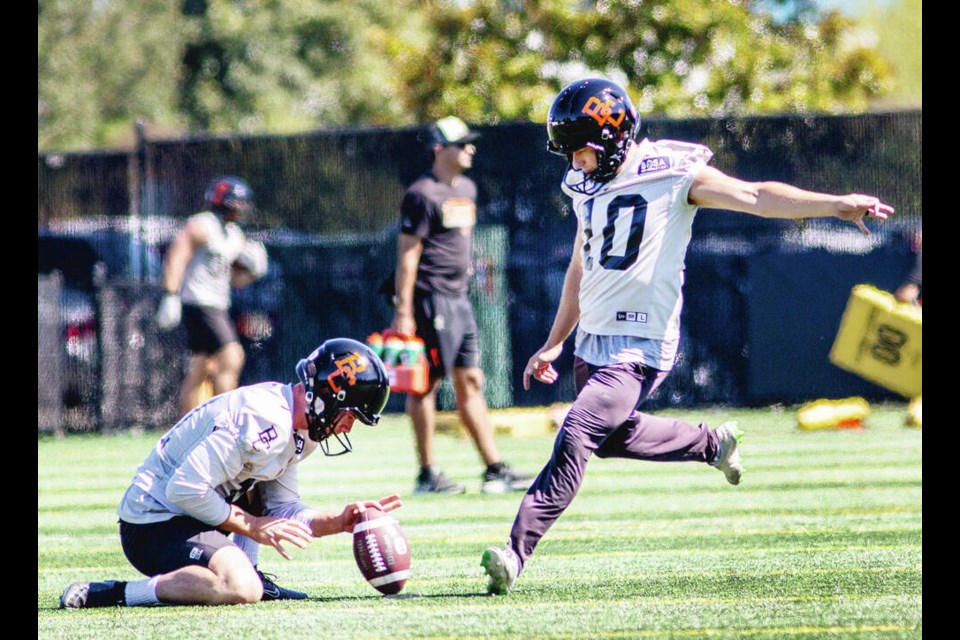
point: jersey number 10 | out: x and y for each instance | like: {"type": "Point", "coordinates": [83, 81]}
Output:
{"type": "Point", "coordinates": [630, 207]}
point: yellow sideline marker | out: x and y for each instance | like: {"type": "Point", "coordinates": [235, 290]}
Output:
{"type": "Point", "coordinates": [519, 423]}
{"type": "Point", "coordinates": [881, 340]}
{"type": "Point", "coordinates": [915, 413]}
{"type": "Point", "coordinates": [848, 413]}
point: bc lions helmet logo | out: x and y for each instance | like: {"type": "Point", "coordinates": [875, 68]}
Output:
{"type": "Point", "coordinates": [602, 112]}
{"type": "Point", "coordinates": [347, 370]}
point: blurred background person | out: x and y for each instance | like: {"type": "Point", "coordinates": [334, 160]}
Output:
{"type": "Point", "coordinates": [434, 264]}
{"type": "Point", "coordinates": [208, 256]}
{"type": "Point", "coordinates": [911, 290]}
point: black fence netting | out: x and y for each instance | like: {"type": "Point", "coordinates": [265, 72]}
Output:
{"type": "Point", "coordinates": [763, 297]}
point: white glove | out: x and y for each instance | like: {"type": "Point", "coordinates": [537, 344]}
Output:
{"type": "Point", "coordinates": [168, 314]}
{"type": "Point", "coordinates": [253, 258]}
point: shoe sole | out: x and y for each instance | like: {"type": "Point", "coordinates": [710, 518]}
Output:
{"type": "Point", "coordinates": [502, 486]}
{"type": "Point", "coordinates": [733, 476]}
{"type": "Point", "coordinates": [494, 486]}
{"type": "Point", "coordinates": [446, 492]}
{"type": "Point", "coordinates": [492, 562]}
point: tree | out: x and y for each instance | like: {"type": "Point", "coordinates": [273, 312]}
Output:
{"type": "Point", "coordinates": [282, 66]}
{"type": "Point", "coordinates": [898, 26]}
{"type": "Point", "coordinates": [101, 65]}
{"type": "Point", "coordinates": [495, 59]}
{"type": "Point", "coordinates": [290, 65]}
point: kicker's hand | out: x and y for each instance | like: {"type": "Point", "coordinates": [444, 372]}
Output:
{"type": "Point", "coordinates": [855, 207]}
{"type": "Point", "coordinates": [540, 366]}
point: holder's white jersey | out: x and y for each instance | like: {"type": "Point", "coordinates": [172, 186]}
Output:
{"type": "Point", "coordinates": [635, 235]}
{"type": "Point", "coordinates": [206, 282]}
{"type": "Point", "coordinates": [216, 453]}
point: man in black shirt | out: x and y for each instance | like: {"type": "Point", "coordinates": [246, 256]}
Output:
{"type": "Point", "coordinates": [434, 256]}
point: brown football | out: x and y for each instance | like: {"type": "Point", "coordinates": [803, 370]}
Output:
{"type": "Point", "coordinates": [381, 550]}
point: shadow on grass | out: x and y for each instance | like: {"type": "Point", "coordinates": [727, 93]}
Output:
{"type": "Point", "coordinates": [400, 596]}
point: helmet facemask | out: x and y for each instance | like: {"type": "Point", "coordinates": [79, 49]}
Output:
{"type": "Point", "coordinates": [322, 411]}
{"type": "Point", "coordinates": [610, 155]}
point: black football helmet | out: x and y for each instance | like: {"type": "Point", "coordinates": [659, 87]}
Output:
{"type": "Point", "coordinates": [342, 374]}
{"type": "Point", "coordinates": [230, 197]}
{"type": "Point", "coordinates": [593, 113]}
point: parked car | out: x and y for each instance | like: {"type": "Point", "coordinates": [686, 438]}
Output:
{"type": "Point", "coordinates": [80, 268]}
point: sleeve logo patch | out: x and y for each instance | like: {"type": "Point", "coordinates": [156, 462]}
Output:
{"type": "Point", "coordinates": [298, 443]}
{"type": "Point", "coordinates": [631, 316]}
{"type": "Point", "coordinates": [658, 163]}
{"type": "Point", "coordinates": [264, 438]}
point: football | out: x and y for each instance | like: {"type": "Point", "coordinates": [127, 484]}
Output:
{"type": "Point", "coordinates": [381, 550]}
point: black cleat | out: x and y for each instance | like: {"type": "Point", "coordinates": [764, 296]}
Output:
{"type": "Point", "coordinates": [272, 591]}
{"type": "Point", "coordinates": [435, 481]}
{"type": "Point", "coordinates": [501, 478]}
{"type": "Point", "coordinates": [84, 595]}
{"type": "Point", "coordinates": [75, 596]}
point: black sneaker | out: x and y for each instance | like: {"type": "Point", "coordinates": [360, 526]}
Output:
{"type": "Point", "coordinates": [500, 478]}
{"type": "Point", "coordinates": [83, 595]}
{"type": "Point", "coordinates": [272, 591]}
{"type": "Point", "coordinates": [434, 481]}
{"type": "Point", "coordinates": [75, 596]}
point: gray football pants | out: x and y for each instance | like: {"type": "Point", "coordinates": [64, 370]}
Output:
{"type": "Point", "coordinates": [604, 421]}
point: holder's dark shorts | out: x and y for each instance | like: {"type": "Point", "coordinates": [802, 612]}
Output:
{"type": "Point", "coordinates": [162, 547]}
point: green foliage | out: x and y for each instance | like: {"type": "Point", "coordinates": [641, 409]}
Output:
{"type": "Point", "coordinates": [898, 25]}
{"type": "Point", "coordinates": [101, 65]}
{"type": "Point", "coordinates": [680, 58]}
{"type": "Point", "coordinates": [822, 539]}
{"type": "Point", "coordinates": [290, 65]}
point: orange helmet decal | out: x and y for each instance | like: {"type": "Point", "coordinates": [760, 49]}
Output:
{"type": "Point", "coordinates": [347, 370]}
{"type": "Point", "coordinates": [602, 112]}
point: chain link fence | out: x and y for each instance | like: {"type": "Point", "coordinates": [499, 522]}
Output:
{"type": "Point", "coordinates": [763, 297]}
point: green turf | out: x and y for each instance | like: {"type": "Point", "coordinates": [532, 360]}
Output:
{"type": "Point", "coordinates": [822, 539]}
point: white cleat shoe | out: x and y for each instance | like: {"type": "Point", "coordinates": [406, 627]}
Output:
{"type": "Point", "coordinates": [728, 454]}
{"type": "Point", "coordinates": [501, 564]}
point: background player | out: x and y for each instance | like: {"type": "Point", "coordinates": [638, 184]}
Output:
{"type": "Point", "coordinates": [434, 263]}
{"type": "Point", "coordinates": [230, 466]}
{"type": "Point", "coordinates": [635, 203]}
{"type": "Point", "coordinates": [208, 257]}
{"type": "Point", "coordinates": [910, 290]}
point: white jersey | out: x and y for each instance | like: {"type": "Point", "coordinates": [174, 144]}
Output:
{"type": "Point", "coordinates": [216, 453]}
{"type": "Point", "coordinates": [635, 235]}
{"type": "Point", "coordinates": [206, 282]}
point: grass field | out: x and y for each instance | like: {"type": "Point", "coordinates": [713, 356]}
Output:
{"type": "Point", "coordinates": [822, 539]}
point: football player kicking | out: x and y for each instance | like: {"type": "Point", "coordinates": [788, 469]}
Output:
{"type": "Point", "coordinates": [230, 466]}
{"type": "Point", "coordinates": [634, 203]}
